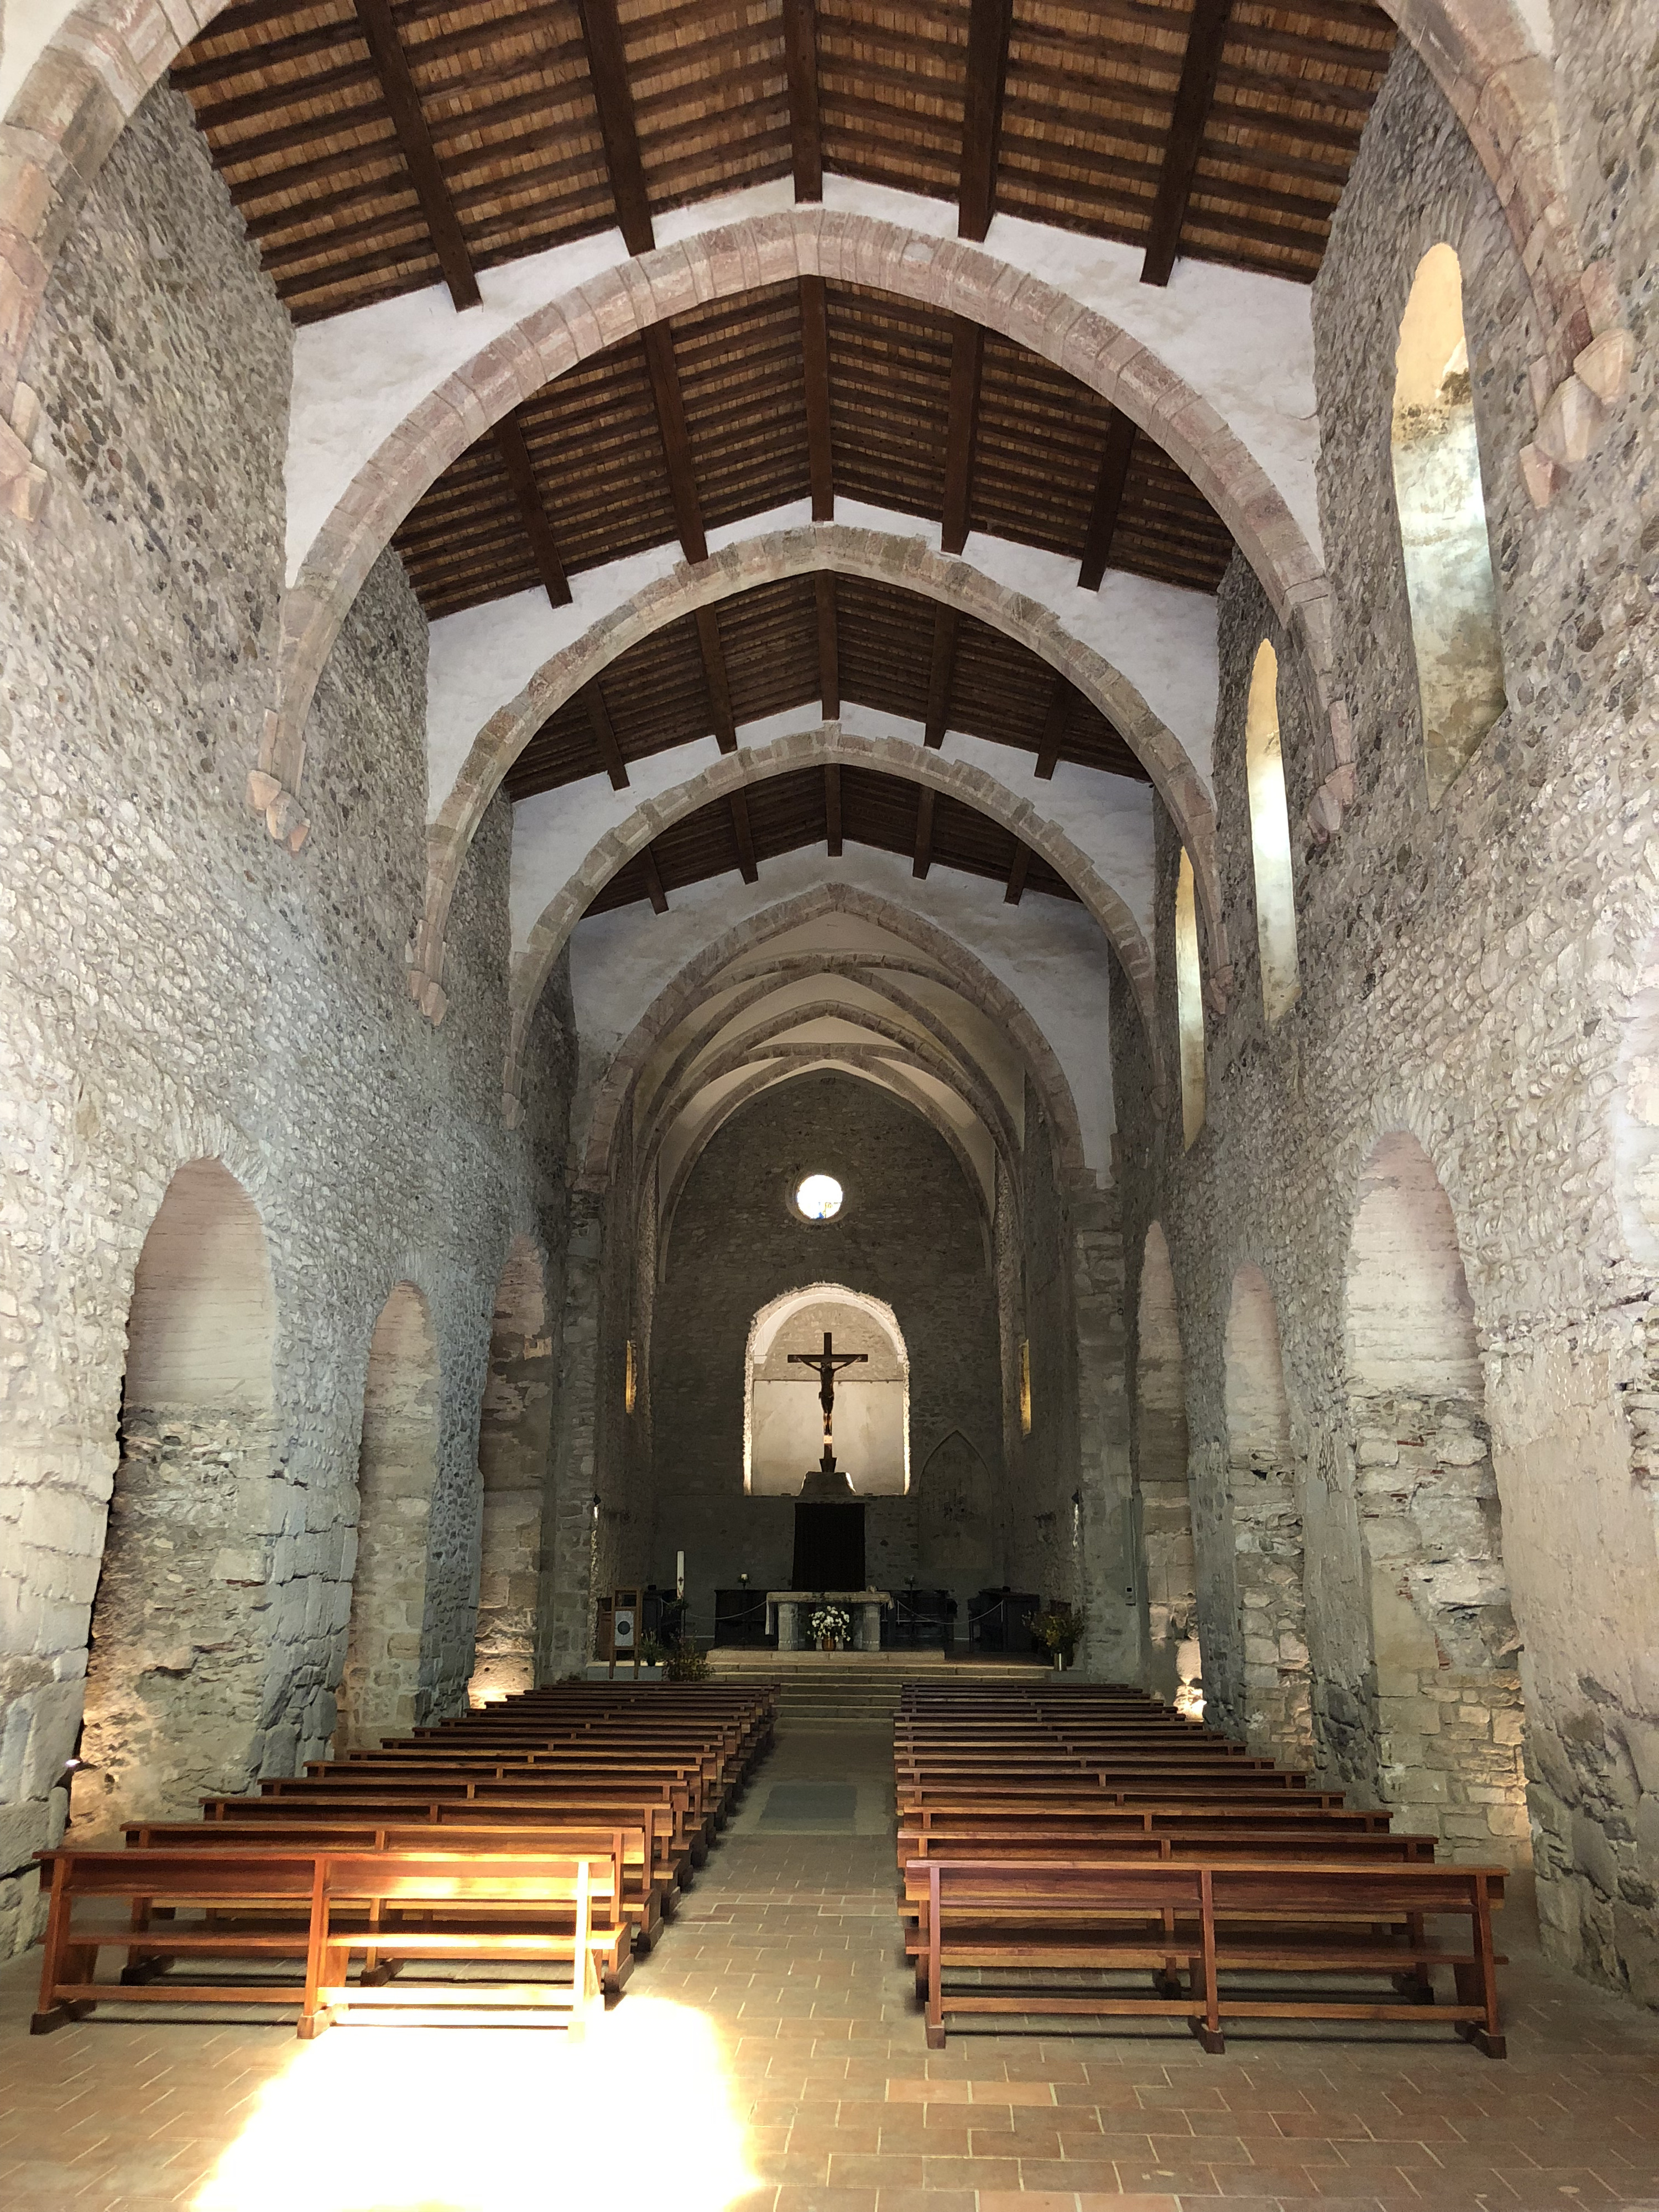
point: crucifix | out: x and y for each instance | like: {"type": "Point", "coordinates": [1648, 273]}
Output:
{"type": "Point", "coordinates": [828, 1362]}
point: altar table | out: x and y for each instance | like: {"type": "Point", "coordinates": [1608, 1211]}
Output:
{"type": "Point", "coordinates": [792, 1611]}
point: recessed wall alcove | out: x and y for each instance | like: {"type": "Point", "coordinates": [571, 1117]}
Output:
{"type": "Point", "coordinates": [782, 1434]}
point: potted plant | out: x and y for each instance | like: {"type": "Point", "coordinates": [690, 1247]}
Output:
{"type": "Point", "coordinates": [831, 1624]}
{"type": "Point", "coordinates": [652, 1656]}
{"type": "Point", "coordinates": [687, 1663]}
{"type": "Point", "coordinates": [1058, 1632]}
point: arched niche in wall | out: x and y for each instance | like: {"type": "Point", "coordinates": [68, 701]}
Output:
{"type": "Point", "coordinates": [1189, 1003]}
{"type": "Point", "coordinates": [1449, 1718]}
{"type": "Point", "coordinates": [176, 1665]}
{"type": "Point", "coordinates": [1270, 839]}
{"type": "Point", "coordinates": [1161, 1485]}
{"type": "Point", "coordinates": [957, 1547]}
{"type": "Point", "coordinates": [783, 1429]}
{"type": "Point", "coordinates": [1442, 509]}
{"type": "Point", "coordinates": [514, 1442]}
{"type": "Point", "coordinates": [1266, 1499]}
{"type": "Point", "coordinates": [397, 1467]}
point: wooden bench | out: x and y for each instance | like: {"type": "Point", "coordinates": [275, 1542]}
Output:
{"type": "Point", "coordinates": [1263, 1918]}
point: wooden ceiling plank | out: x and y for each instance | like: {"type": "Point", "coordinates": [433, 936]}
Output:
{"type": "Point", "coordinates": [800, 33]}
{"type": "Point", "coordinates": [962, 419]}
{"type": "Point", "coordinates": [1054, 728]}
{"type": "Point", "coordinates": [828, 645]}
{"type": "Point", "coordinates": [742, 830]}
{"type": "Point", "coordinates": [404, 102]}
{"type": "Point", "coordinates": [1108, 501]}
{"type": "Point", "coordinates": [655, 891]}
{"type": "Point", "coordinates": [815, 361]}
{"type": "Point", "coordinates": [516, 458]}
{"type": "Point", "coordinates": [604, 736]}
{"type": "Point", "coordinates": [938, 676]}
{"type": "Point", "coordinates": [988, 22]}
{"type": "Point", "coordinates": [922, 857]}
{"type": "Point", "coordinates": [607, 67]}
{"type": "Point", "coordinates": [1200, 69]}
{"type": "Point", "coordinates": [714, 675]}
{"type": "Point", "coordinates": [832, 808]}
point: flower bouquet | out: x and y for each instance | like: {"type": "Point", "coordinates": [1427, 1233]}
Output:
{"type": "Point", "coordinates": [831, 1626]}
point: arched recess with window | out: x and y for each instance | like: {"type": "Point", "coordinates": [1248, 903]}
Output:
{"type": "Point", "coordinates": [1189, 1002]}
{"type": "Point", "coordinates": [1270, 839]}
{"type": "Point", "coordinates": [783, 1425]}
{"type": "Point", "coordinates": [176, 1665]}
{"type": "Point", "coordinates": [1445, 1641]}
{"type": "Point", "coordinates": [514, 1441]}
{"type": "Point", "coordinates": [1442, 508]}
{"type": "Point", "coordinates": [1264, 1494]}
{"type": "Point", "coordinates": [397, 1467]}
{"type": "Point", "coordinates": [1159, 1449]}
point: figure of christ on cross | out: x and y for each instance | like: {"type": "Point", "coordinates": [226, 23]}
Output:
{"type": "Point", "coordinates": [828, 1362]}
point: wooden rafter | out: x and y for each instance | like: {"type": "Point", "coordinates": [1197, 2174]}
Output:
{"type": "Point", "coordinates": [967, 365]}
{"type": "Point", "coordinates": [714, 670]}
{"type": "Point", "coordinates": [607, 67]}
{"type": "Point", "coordinates": [922, 860]}
{"type": "Point", "coordinates": [604, 736]}
{"type": "Point", "coordinates": [938, 676]}
{"type": "Point", "coordinates": [1199, 68]}
{"type": "Point", "coordinates": [744, 834]}
{"type": "Point", "coordinates": [655, 891]}
{"type": "Point", "coordinates": [832, 808]}
{"type": "Point", "coordinates": [1018, 873]}
{"type": "Point", "coordinates": [1054, 728]}
{"type": "Point", "coordinates": [815, 368]}
{"type": "Point", "coordinates": [521, 475]}
{"type": "Point", "coordinates": [676, 440]}
{"type": "Point", "coordinates": [988, 22]}
{"type": "Point", "coordinates": [800, 36]}
{"type": "Point", "coordinates": [828, 645]}
{"type": "Point", "coordinates": [1108, 499]}
{"type": "Point", "coordinates": [403, 101]}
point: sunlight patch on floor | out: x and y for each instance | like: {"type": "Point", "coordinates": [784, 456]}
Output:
{"type": "Point", "coordinates": [486, 2120]}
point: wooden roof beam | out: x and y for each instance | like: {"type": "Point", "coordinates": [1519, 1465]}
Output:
{"type": "Point", "coordinates": [988, 23]}
{"type": "Point", "coordinates": [815, 368]}
{"type": "Point", "coordinates": [1200, 70]}
{"type": "Point", "coordinates": [923, 858]}
{"type": "Point", "coordinates": [832, 807]}
{"type": "Point", "coordinates": [664, 375]}
{"type": "Point", "coordinates": [604, 739]}
{"type": "Point", "coordinates": [938, 676]}
{"type": "Point", "coordinates": [828, 645]}
{"type": "Point", "coordinates": [1108, 499]}
{"type": "Point", "coordinates": [746, 837]}
{"type": "Point", "coordinates": [521, 475]}
{"type": "Point", "coordinates": [426, 174]}
{"type": "Point", "coordinates": [714, 670]}
{"type": "Point", "coordinates": [801, 42]}
{"type": "Point", "coordinates": [613, 96]}
{"type": "Point", "coordinates": [961, 424]}
{"type": "Point", "coordinates": [1054, 728]}
{"type": "Point", "coordinates": [1017, 874]}
{"type": "Point", "coordinates": [653, 889]}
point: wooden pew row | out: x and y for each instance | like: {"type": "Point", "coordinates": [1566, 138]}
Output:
{"type": "Point", "coordinates": [1085, 1815]}
{"type": "Point", "coordinates": [336, 1905]}
{"type": "Point", "coordinates": [684, 1791]}
{"type": "Point", "coordinates": [1256, 1922]}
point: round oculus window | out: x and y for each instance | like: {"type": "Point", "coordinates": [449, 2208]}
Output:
{"type": "Point", "coordinates": [818, 1199]}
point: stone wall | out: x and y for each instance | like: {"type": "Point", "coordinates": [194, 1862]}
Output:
{"type": "Point", "coordinates": [175, 986]}
{"type": "Point", "coordinates": [1469, 972]}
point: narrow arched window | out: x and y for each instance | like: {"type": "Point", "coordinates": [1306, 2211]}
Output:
{"type": "Point", "coordinates": [1189, 1003]}
{"type": "Point", "coordinates": [1442, 524]}
{"type": "Point", "coordinates": [1270, 838]}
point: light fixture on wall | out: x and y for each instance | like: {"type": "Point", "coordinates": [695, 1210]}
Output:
{"type": "Point", "coordinates": [1077, 1517]}
{"type": "Point", "coordinates": [1024, 1386]}
{"type": "Point", "coordinates": [630, 1378]}
{"type": "Point", "coordinates": [596, 1509]}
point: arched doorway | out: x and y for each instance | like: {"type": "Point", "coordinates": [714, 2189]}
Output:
{"type": "Point", "coordinates": [1160, 1447]}
{"type": "Point", "coordinates": [782, 1424]}
{"type": "Point", "coordinates": [514, 1440]}
{"type": "Point", "coordinates": [1450, 1720]}
{"type": "Point", "coordinates": [176, 1663]}
{"type": "Point", "coordinates": [397, 1466]}
{"type": "Point", "coordinates": [1265, 1496]}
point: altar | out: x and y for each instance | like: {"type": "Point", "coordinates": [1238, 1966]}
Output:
{"type": "Point", "coordinates": [792, 1611]}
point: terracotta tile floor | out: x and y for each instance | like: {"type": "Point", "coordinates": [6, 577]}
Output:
{"type": "Point", "coordinates": [768, 2058]}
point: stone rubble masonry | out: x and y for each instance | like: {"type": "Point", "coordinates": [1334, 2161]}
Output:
{"type": "Point", "coordinates": [1471, 974]}
{"type": "Point", "coordinates": [173, 986]}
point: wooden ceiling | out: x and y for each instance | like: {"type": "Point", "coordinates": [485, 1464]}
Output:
{"type": "Point", "coordinates": [812, 641]}
{"type": "Point", "coordinates": [832, 807]}
{"type": "Point", "coordinates": [376, 146]}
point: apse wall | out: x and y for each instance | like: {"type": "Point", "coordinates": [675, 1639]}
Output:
{"type": "Point", "coordinates": [910, 1233]}
{"type": "Point", "coordinates": [1466, 972]}
{"type": "Point", "coordinates": [179, 985]}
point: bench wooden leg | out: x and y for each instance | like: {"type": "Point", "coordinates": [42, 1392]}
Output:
{"type": "Point", "coordinates": [1208, 2038]}
{"type": "Point", "coordinates": [144, 1970]}
{"type": "Point", "coordinates": [1489, 2045]}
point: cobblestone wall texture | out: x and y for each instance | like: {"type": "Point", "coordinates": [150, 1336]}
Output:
{"type": "Point", "coordinates": [174, 985]}
{"type": "Point", "coordinates": [1474, 974]}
